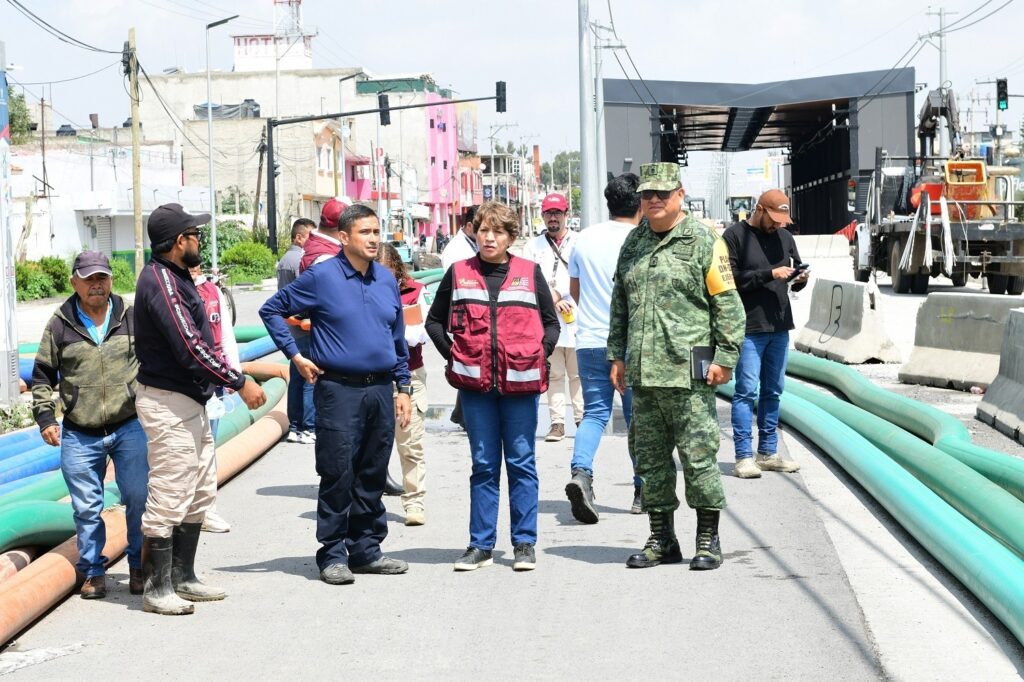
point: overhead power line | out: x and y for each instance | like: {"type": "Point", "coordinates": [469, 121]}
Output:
{"type": "Point", "coordinates": [56, 32]}
{"type": "Point", "coordinates": [68, 80]}
{"type": "Point", "coordinates": [977, 21]}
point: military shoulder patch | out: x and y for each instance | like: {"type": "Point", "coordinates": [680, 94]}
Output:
{"type": "Point", "coordinates": [719, 278]}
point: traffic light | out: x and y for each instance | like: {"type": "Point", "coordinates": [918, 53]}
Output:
{"type": "Point", "coordinates": [385, 111]}
{"type": "Point", "coordinates": [1002, 95]}
{"type": "Point", "coordinates": [499, 99]}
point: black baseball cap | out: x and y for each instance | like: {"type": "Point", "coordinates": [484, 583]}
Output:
{"type": "Point", "coordinates": [168, 221]}
{"type": "Point", "coordinates": [89, 263]}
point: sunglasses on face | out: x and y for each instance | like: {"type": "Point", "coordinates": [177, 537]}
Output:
{"type": "Point", "coordinates": [193, 233]}
{"type": "Point", "coordinates": [662, 194]}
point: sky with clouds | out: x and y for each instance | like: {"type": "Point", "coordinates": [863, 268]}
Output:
{"type": "Point", "coordinates": [531, 44]}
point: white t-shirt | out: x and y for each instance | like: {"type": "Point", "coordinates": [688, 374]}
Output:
{"type": "Point", "coordinates": [459, 248]}
{"type": "Point", "coordinates": [556, 272]}
{"type": "Point", "coordinates": [593, 262]}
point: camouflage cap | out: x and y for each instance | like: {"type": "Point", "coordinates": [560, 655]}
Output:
{"type": "Point", "coordinates": [659, 176]}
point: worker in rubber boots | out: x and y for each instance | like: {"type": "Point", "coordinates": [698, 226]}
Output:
{"type": "Point", "coordinates": [676, 328]}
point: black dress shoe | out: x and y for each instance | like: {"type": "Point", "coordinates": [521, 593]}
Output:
{"type": "Point", "coordinates": [393, 489]}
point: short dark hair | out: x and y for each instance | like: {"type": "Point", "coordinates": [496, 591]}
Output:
{"type": "Point", "coordinates": [469, 215]}
{"type": "Point", "coordinates": [353, 213]}
{"type": "Point", "coordinates": [622, 197]}
{"type": "Point", "coordinates": [160, 248]}
{"type": "Point", "coordinates": [302, 225]}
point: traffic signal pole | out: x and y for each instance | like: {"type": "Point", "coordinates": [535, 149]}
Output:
{"type": "Point", "coordinates": [498, 97]}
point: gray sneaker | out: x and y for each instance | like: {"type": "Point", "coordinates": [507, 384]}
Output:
{"type": "Point", "coordinates": [473, 559]}
{"type": "Point", "coordinates": [337, 574]}
{"type": "Point", "coordinates": [383, 566]}
{"type": "Point", "coordinates": [580, 491]}
{"type": "Point", "coordinates": [525, 557]}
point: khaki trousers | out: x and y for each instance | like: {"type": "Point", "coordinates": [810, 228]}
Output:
{"type": "Point", "coordinates": [182, 467]}
{"type": "Point", "coordinates": [410, 444]}
{"type": "Point", "coordinates": [563, 366]}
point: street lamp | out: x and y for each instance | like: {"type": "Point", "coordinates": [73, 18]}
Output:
{"type": "Point", "coordinates": [209, 140]}
{"type": "Point", "coordinates": [341, 107]}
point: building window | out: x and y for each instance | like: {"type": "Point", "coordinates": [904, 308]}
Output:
{"type": "Point", "coordinates": [431, 123]}
{"type": "Point", "coordinates": [433, 160]}
{"type": "Point", "coordinates": [445, 164]}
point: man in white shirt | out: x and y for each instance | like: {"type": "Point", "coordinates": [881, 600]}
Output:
{"type": "Point", "coordinates": [552, 251]}
{"type": "Point", "coordinates": [591, 269]}
{"type": "Point", "coordinates": [462, 245]}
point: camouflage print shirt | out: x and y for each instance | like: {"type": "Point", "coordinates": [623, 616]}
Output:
{"type": "Point", "coordinates": [673, 291]}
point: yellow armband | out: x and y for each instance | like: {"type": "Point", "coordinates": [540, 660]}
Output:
{"type": "Point", "coordinates": [719, 278]}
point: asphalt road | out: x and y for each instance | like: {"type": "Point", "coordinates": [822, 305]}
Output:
{"type": "Point", "coordinates": [818, 583]}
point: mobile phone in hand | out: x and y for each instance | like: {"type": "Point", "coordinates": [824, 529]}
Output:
{"type": "Point", "coordinates": [800, 269]}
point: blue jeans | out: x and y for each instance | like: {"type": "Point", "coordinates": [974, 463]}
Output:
{"type": "Point", "coordinates": [762, 359]}
{"type": "Point", "coordinates": [83, 461]}
{"type": "Point", "coordinates": [301, 409]}
{"type": "Point", "coordinates": [500, 425]}
{"type": "Point", "coordinates": [598, 393]}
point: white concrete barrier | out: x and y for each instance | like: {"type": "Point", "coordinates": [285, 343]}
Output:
{"type": "Point", "coordinates": [1003, 404]}
{"type": "Point", "coordinates": [845, 325]}
{"type": "Point", "coordinates": [958, 340]}
{"type": "Point", "coordinates": [822, 246]}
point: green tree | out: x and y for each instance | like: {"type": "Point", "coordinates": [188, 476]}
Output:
{"type": "Point", "coordinates": [577, 200]}
{"type": "Point", "coordinates": [510, 147]}
{"type": "Point", "coordinates": [545, 173]}
{"type": "Point", "coordinates": [21, 124]}
{"type": "Point", "coordinates": [560, 168]}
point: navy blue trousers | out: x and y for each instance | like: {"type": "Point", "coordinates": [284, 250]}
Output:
{"type": "Point", "coordinates": [355, 430]}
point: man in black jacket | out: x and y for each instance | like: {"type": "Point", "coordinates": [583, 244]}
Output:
{"type": "Point", "coordinates": [764, 261]}
{"type": "Point", "coordinates": [178, 370]}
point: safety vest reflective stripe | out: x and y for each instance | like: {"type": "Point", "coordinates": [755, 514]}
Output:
{"type": "Point", "coordinates": [517, 297]}
{"type": "Point", "coordinates": [475, 295]}
{"type": "Point", "coordinates": [466, 370]}
{"type": "Point", "coordinates": [523, 375]}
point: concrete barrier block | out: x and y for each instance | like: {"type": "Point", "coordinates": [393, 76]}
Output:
{"type": "Point", "coordinates": [1003, 404]}
{"type": "Point", "coordinates": [822, 246]}
{"type": "Point", "coordinates": [845, 324]}
{"type": "Point", "coordinates": [958, 340]}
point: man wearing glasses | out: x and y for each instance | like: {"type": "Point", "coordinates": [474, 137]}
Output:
{"type": "Point", "coordinates": [764, 258]}
{"type": "Point", "coordinates": [676, 327]}
{"type": "Point", "coordinates": [178, 371]}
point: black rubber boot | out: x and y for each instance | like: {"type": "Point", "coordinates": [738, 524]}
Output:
{"type": "Point", "coordinates": [580, 491]}
{"type": "Point", "coordinates": [709, 550]}
{"type": "Point", "coordinates": [392, 488]}
{"type": "Point", "coordinates": [158, 593]}
{"type": "Point", "coordinates": [183, 568]}
{"type": "Point", "coordinates": [661, 547]}
{"type": "Point", "coordinates": [638, 500]}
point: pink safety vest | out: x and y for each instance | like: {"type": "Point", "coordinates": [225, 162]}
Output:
{"type": "Point", "coordinates": [496, 341]}
{"type": "Point", "coordinates": [211, 301]}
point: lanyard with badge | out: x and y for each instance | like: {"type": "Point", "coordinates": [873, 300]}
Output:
{"type": "Point", "coordinates": [558, 257]}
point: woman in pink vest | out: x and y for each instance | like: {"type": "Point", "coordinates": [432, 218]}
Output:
{"type": "Point", "coordinates": [497, 310]}
{"type": "Point", "coordinates": [224, 343]}
{"type": "Point", "coordinates": [409, 438]}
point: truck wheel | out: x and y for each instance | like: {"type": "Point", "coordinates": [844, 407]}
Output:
{"type": "Point", "coordinates": [959, 279]}
{"type": "Point", "coordinates": [997, 283]}
{"type": "Point", "coordinates": [900, 280]}
{"type": "Point", "coordinates": [919, 283]}
{"type": "Point", "coordinates": [1015, 285]}
{"type": "Point", "coordinates": [858, 274]}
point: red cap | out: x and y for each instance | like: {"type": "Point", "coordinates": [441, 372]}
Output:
{"type": "Point", "coordinates": [554, 202]}
{"type": "Point", "coordinates": [330, 213]}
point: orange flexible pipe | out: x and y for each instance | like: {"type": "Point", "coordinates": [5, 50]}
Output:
{"type": "Point", "coordinates": [43, 583]}
{"type": "Point", "coordinates": [14, 560]}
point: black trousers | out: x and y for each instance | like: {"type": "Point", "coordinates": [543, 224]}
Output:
{"type": "Point", "coordinates": [355, 430]}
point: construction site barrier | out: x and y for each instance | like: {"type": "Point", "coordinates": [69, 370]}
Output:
{"type": "Point", "coordinates": [845, 325]}
{"type": "Point", "coordinates": [958, 340]}
{"type": "Point", "coordinates": [1003, 404]}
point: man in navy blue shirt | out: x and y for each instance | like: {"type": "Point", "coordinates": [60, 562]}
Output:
{"type": "Point", "coordinates": [357, 348]}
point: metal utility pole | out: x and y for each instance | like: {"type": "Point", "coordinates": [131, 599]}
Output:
{"type": "Point", "coordinates": [494, 131]}
{"type": "Point", "coordinates": [590, 209]}
{"type": "Point", "coordinates": [569, 161]}
{"type": "Point", "coordinates": [941, 35]}
{"type": "Point", "coordinates": [341, 158]}
{"type": "Point", "coordinates": [209, 143]}
{"type": "Point", "coordinates": [42, 139]}
{"type": "Point", "coordinates": [133, 86]}
{"type": "Point", "coordinates": [259, 182]}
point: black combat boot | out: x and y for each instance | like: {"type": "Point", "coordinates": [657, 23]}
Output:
{"type": "Point", "coordinates": [158, 592]}
{"type": "Point", "coordinates": [709, 550]}
{"type": "Point", "coordinates": [662, 547]}
{"type": "Point", "coordinates": [183, 568]}
{"type": "Point", "coordinates": [392, 488]}
{"type": "Point", "coordinates": [580, 491]}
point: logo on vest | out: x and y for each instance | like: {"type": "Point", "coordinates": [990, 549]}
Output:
{"type": "Point", "coordinates": [520, 282]}
{"type": "Point", "coordinates": [466, 282]}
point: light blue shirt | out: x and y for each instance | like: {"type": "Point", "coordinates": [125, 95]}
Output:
{"type": "Point", "coordinates": [593, 261]}
{"type": "Point", "coordinates": [97, 333]}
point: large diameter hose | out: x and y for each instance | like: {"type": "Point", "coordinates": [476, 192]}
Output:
{"type": "Point", "coordinates": [993, 573]}
{"type": "Point", "coordinates": [943, 431]}
{"type": "Point", "coordinates": [979, 499]}
{"type": "Point", "coordinates": [48, 579]}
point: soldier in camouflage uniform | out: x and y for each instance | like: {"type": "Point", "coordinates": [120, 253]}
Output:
{"type": "Point", "coordinates": [673, 292]}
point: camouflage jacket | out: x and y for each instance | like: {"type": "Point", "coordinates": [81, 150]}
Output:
{"type": "Point", "coordinates": [671, 293]}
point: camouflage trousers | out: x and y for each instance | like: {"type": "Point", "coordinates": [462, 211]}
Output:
{"type": "Point", "coordinates": [667, 419]}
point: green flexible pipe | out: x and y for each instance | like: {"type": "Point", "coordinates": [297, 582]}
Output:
{"type": "Point", "coordinates": [993, 573]}
{"type": "Point", "coordinates": [42, 523]}
{"type": "Point", "coordinates": [979, 499]}
{"type": "Point", "coordinates": [236, 421]}
{"type": "Point", "coordinates": [53, 487]}
{"type": "Point", "coordinates": [943, 431]}
{"type": "Point", "coordinates": [247, 333]}
{"type": "Point", "coordinates": [422, 274]}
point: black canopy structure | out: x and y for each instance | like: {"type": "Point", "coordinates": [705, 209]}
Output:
{"type": "Point", "coordinates": [830, 126]}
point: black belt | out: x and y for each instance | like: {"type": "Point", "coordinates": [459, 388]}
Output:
{"type": "Point", "coordinates": [358, 379]}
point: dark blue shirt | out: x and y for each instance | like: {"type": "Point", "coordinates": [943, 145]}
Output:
{"type": "Point", "coordinates": [357, 323]}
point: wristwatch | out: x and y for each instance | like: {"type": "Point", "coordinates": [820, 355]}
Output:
{"type": "Point", "coordinates": [406, 389]}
